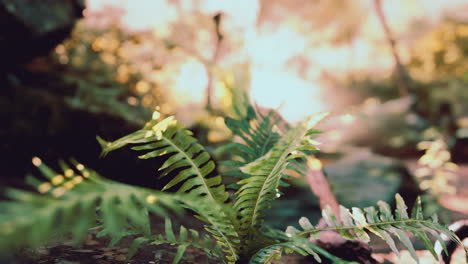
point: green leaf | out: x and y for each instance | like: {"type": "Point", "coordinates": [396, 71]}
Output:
{"type": "Point", "coordinates": [257, 191]}
{"type": "Point", "coordinates": [387, 238]}
{"type": "Point", "coordinates": [179, 254]}
{"type": "Point", "coordinates": [329, 217]}
{"type": "Point", "coordinates": [165, 137]}
{"type": "Point", "coordinates": [257, 134]}
{"type": "Point", "coordinates": [305, 223]}
{"type": "Point", "coordinates": [401, 209]}
{"type": "Point", "coordinates": [383, 223]}
{"type": "Point", "coordinates": [359, 217]}
{"type": "Point", "coordinates": [168, 230]}
{"type": "Point", "coordinates": [73, 204]}
{"type": "Point", "coordinates": [403, 237]}
{"type": "Point", "coordinates": [427, 242]}
{"type": "Point", "coordinates": [136, 244]}
{"type": "Point", "coordinates": [292, 231]}
{"type": "Point", "coordinates": [371, 215]}
{"type": "Point", "coordinates": [385, 212]}
{"type": "Point", "coordinates": [417, 210]}
{"type": "Point", "coordinates": [274, 251]}
{"type": "Point", "coordinates": [361, 223]}
{"type": "Point", "coordinates": [190, 169]}
{"type": "Point", "coordinates": [346, 220]}
{"type": "Point", "coordinates": [345, 216]}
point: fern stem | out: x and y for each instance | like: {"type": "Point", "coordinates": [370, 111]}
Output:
{"type": "Point", "coordinates": [307, 232]}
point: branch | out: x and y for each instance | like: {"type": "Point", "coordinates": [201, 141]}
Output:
{"type": "Point", "coordinates": [402, 75]}
{"type": "Point", "coordinates": [214, 60]}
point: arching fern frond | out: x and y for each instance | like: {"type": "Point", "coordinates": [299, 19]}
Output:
{"type": "Point", "coordinates": [188, 160]}
{"type": "Point", "coordinates": [68, 205]}
{"type": "Point", "coordinates": [190, 168]}
{"type": "Point", "coordinates": [256, 192]}
{"type": "Point", "coordinates": [383, 223]}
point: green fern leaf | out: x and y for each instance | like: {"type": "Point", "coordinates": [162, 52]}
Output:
{"type": "Point", "coordinates": [188, 160]}
{"type": "Point", "coordinates": [294, 244]}
{"type": "Point", "coordinates": [189, 167]}
{"type": "Point", "coordinates": [68, 205]}
{"type": "Point", "coordinates": [220, 224]}
{"type": "Point", "coordinates": [185, 238]}
{"type": "Point", "coordinates": [383, 223]}
{"type": "Point", "coordinates": [179, 254]}
{"type": "Point", "coordinates": [261, 187]}
{"type": "Point", "coordinates": [267, 254]}
{"type": "Point", "coordinates": [258, 134]}
{"type": "Point", "coordinates": [136, 244]}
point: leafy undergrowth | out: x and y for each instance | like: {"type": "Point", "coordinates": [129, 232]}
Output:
{"type": "Point", "coordinates": [95, 251]}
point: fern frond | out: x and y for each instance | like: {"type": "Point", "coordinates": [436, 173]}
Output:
{"type": "Point", "coordinates": [298, 245]}
{"type": "Point", "coordinates": [257, 191]}
{"type": "Point", "coordinates": [267, 254]}
{"type": "Point", "coordinates": [185, 238]}
{"type": "Point", "coordinates": [220, 223]}
{"type": "Point", "coordinates": [191, 168]}
{"type": "Point", "coordinates": [188, 160]}
{"type": "Point", "coordinates": [258, 133]}
{"type": "Point", "coordinates": [383, 223]}
{"type": "Point", "coordinates": [68, 205]}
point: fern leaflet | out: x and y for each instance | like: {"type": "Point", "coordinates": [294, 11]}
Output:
{"type": "Point", "coordinates": [184, 238]}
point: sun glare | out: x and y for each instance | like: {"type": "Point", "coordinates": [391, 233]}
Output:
{"type": "Point", "coordinates": [269, 50]}
{"type": "Point", "coordinates": [190, 82]}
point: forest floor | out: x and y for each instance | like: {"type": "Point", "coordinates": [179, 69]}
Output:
{"type": "Point", "coordinates": [96, 250]}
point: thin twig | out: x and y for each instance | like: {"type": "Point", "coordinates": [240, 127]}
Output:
{"type": "Point", "coordinates": [402, 75]}
{"type": "Point", "coordinates": [214, 60]}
